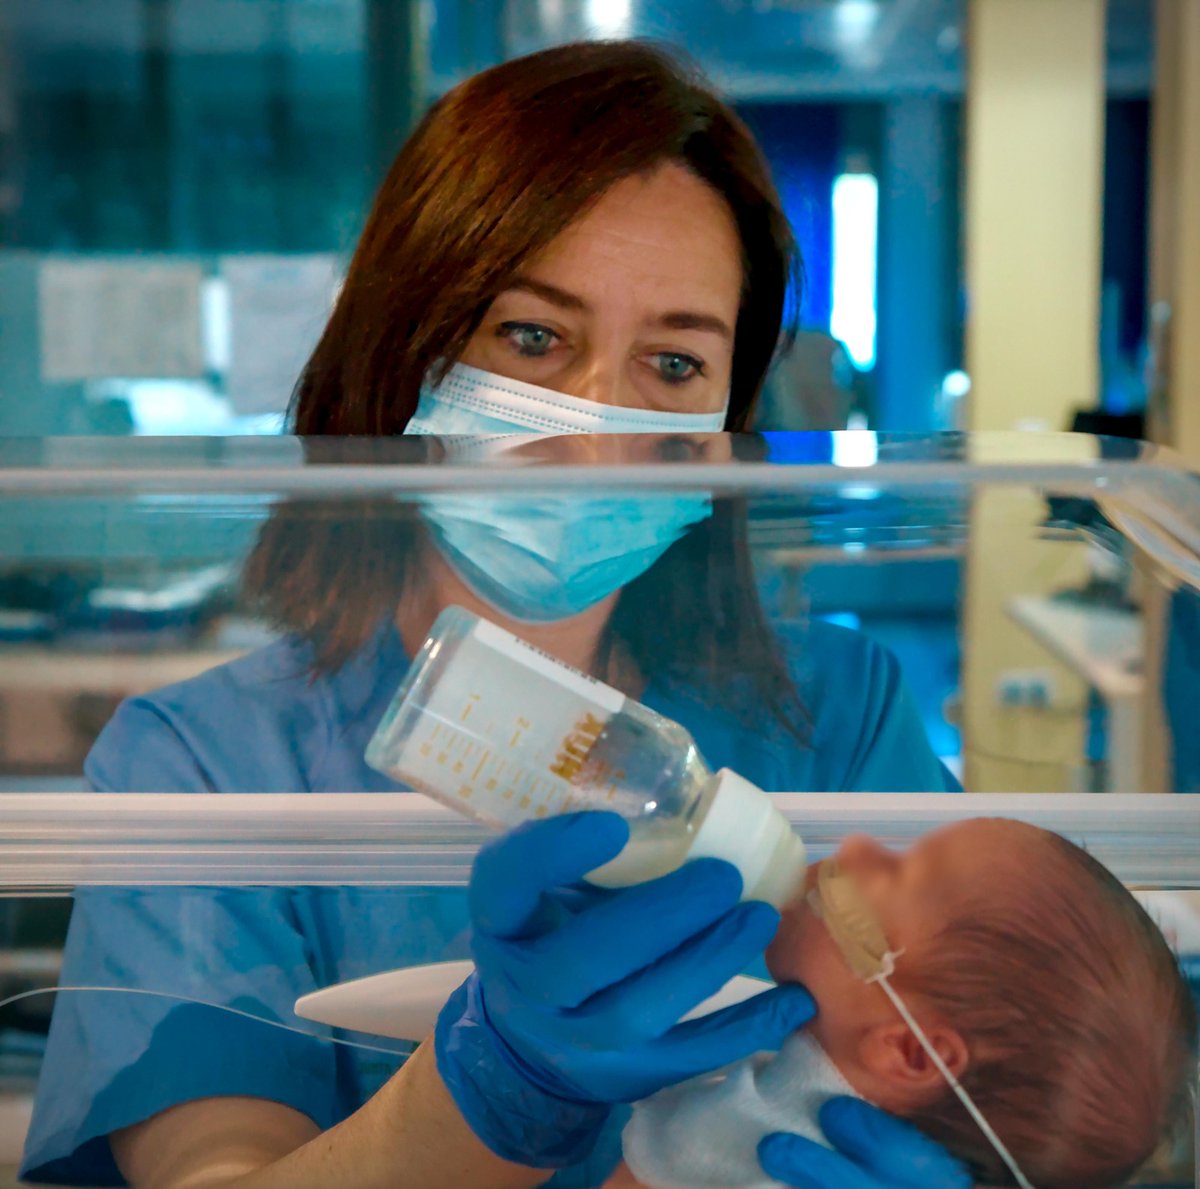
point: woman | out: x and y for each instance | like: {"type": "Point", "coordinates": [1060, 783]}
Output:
{"type": "Point", "coordinates": [584, 240]}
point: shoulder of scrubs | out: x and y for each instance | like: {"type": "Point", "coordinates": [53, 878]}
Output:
{"type": "Point", "coordinates": [866, 726]}
{"type": "Point", "coordinates": [861, 730]}
{"type": "Point", "coordinates": [264, 723]}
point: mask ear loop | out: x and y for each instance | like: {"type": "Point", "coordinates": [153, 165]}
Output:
{"type": "Point", "coordinates": [888, 968]}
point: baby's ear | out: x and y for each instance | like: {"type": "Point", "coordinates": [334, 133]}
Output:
{"type": "Point", "coordinates": [898, 1061]}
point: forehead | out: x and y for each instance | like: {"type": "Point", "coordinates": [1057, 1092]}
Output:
{"type": "Point", "coordinates": [663, 236]}
{"type": "Point", "coordinates": [982, 856]}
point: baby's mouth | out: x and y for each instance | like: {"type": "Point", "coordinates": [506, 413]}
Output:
{"type": "Point", "coordinates": [810, 876]}
{"type": "Point", "coordinates": [799, 902]}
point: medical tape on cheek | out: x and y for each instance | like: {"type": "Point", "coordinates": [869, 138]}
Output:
{"type": "Point", "coordinates": [858, 933]}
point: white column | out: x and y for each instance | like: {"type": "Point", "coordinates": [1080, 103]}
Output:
{"type": "Point", "coordinates": [1175, 227]}
{"type": "Point", "coordinates": [1035, 145]}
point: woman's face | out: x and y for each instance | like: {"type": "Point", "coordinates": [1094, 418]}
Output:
{"type": "Point", "coordinates": [633, 305]}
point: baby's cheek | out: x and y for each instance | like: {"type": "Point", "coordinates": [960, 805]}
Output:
{"type": "Point", "coordinates": [803, 952]}
{"type": "Point", "coordinates": [785, 955]}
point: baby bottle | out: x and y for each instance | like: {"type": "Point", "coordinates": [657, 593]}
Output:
{"type": "Point", "coordinates": [503, 733]}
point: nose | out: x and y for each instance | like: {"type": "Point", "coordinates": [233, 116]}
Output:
{"type": "Point", "coordinates": [593, 381]}
{"type": "Point", "coordinates": [864, 854]}
{"type": "Point", "coordinates": [599, 368]}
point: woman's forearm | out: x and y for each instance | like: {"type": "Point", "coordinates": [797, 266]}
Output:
{"type": "Point", "coordinates": [410, 1135]}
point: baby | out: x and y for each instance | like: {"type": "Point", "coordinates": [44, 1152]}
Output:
{"type": "Point", "coordinates": [1043, 987]}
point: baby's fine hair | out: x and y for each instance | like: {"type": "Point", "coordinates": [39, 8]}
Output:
{"type": "Point", "coordinates": [1080, 1027]}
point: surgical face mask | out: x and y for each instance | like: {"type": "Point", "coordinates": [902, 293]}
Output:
{"type": "Point", "coordinates": [850, 917]}
{"type": "Point", "coordinates": [472, 401]}
{"type": "Point", "coordinates": [544, 558]}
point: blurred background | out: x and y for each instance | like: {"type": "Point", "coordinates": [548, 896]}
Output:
{"type": "Point", "coordinates": [989, 195]}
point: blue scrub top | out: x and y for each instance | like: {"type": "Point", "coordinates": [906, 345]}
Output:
{"type": "Point", "coordinates": [264, 724]}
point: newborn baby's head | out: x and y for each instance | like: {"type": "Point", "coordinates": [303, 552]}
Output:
{"type": "Point", "coordinates": [1042, 984]}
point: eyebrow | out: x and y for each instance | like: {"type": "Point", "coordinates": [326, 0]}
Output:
{"type": "Point", "coordinates": [675, 320]}
{"type": "Point", "coordinates": [551, 293]}
{"type": "Point", "coordinates": [687, 320]}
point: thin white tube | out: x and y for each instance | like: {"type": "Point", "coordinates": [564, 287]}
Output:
{"type": "Point", "coordinates": [188, 999]}
{"type": "Point", "coordinates": [953, 1082]}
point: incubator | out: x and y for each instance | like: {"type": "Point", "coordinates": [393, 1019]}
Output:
{"type": "Point", "coordinates": [859, 627]}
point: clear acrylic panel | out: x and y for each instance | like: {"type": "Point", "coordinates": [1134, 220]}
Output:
{"type": "Point", "coordinates": [863, 625]}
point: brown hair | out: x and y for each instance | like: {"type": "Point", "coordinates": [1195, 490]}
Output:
{"type": "Point", "coordinates": [497, 170]}
{"type": "Point", "coordinates": [1078, 1020]}
{"type": "Point", "coordinates": [494, 172]}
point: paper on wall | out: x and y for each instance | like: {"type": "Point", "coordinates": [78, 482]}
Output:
{"type": "Point", "coordinates": [278, 306]}
{"type": "Point", "coordinates": [102, 319]}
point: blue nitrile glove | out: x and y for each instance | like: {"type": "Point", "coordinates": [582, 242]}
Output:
{"type": "Point", "coordinates": [576, 994]}
{"type": "Point", "coordinates": [874, 1151]}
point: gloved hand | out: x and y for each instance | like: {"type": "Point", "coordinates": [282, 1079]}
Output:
{"type": "Point", "coordinates": [874, 1151]}
{"type": "Point", "coordinates": [576, 994]}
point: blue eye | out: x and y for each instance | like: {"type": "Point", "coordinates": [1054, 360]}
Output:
{"type": "Point", "coordinates": [675, 368]}
{"type": "Point", "coordinates": [528, 337]}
